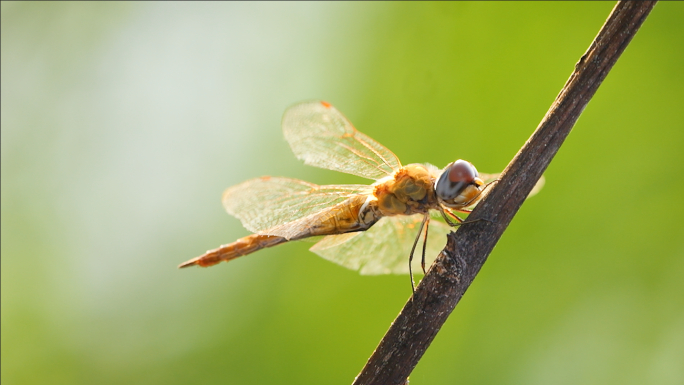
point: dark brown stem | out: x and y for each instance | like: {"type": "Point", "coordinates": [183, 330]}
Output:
{"type": "Point", "coordinates": [466, 251]}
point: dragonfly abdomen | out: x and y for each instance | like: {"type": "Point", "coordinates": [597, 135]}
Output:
{"type": "Point", "coordinates": [243, 246]}
{"type": "Point", "coordinates": [343, 218]}
{"type": "Point", "coordinates": [351, 215]}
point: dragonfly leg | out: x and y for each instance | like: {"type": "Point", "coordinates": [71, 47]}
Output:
{"type": "Point", "coordinates": [446, 212]}
{"type": "Point", "coordinates": [472, 200]}
{"type": "Point", "coordinates": [477, 197]}
{"type": "Point", "coordinates": [427, 227]}
{"type": "Point", "coordinates": [477, 220]}
{"type": "Point", "coordinates": [420, 231]}
{"type": "Point", "coordinates": [460, 221]}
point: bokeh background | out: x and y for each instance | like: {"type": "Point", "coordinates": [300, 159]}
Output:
{"type": "Point", "coordinates": [122, 123]}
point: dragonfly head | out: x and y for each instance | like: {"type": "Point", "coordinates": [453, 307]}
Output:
{"type": "Point", "coordinates": [459, 185]}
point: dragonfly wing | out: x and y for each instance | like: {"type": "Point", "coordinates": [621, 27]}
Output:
{"type": "Point", "coordinates": [385, 247]}
{"type": "Point", "coordinates": [488, 178]}
{"type": "Point", "coordinates": [321, 136]}
{"type": "Point", "coordinates": [268, 202]}
{"type": "Point", "coordinates": [537, 187]}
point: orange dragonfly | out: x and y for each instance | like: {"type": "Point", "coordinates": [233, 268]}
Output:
{"type": "Point", "coordinates": [368, 228]}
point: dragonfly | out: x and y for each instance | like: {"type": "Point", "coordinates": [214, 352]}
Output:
{"type": "Point", "coordinates": [368, 228]}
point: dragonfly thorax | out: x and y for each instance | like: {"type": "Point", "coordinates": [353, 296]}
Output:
{"type": "Point", "coordinates": [409, 191]}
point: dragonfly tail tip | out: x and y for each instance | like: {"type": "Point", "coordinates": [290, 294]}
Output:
{"type": "Point", "coordinates": [189, 263]}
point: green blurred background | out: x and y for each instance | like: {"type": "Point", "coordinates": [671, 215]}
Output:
{"type": "Point", "coordinates": [122, 123]}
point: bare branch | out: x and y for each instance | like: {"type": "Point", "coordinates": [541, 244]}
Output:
{"type": "Point", "coordinates": [466, 251]}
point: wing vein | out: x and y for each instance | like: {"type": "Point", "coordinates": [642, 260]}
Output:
{"type": "Point", "coordinates": [368, 146]}
{"type": "Point", "coordinates": [366, 159]}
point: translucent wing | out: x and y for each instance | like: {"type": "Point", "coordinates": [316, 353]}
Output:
{"type": "Point", "coordinates": [385, 247]}
{"type": "Point", "coordinates": [321, 136]}
{"type": "Point", "coordinates": [537, 187]}
{"type": "Point", "coordinates": [488, 178]}
{"type": "Point", "coordinates": [266, 202]}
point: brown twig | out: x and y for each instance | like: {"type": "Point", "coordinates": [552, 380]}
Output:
{"type": "Point", "coordinates": [466, 251]}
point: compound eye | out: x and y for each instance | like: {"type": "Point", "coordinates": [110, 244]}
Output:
{"type": "Point", "coordinates": [455, 178]}
{"type": "Point", "coordinates": [462, 171]}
